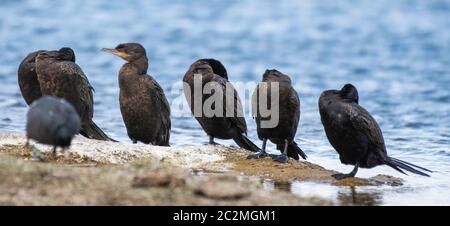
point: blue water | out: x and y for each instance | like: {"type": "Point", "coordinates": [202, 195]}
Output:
{"type": "Point", "coordinates": [397, 53]}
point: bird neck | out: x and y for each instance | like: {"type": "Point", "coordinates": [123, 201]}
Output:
{"type": "Point", "coordinates": [130, 74]}
{"type": "Point", "coordinates": [140, 65]}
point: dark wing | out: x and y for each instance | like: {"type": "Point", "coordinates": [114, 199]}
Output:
{"type": "Point", "coordinates": [209, 76]}
{"type": "Point", "coordinates": [164, 109]}
{"type": "Point", "coordinates": [238, 114]}
{"type": "Point", "coordinates": [30, 59]}
{"type": "Point", "coordinates": [27, 78]}
{"type": "Point", "coordinates": [84, 87]}
{"type": "Point", "coordinates": [366, 125]}
{"type": "Point", "coordinates": [28, 64]}
{"type": "Point", "coordinates": [294, 104]}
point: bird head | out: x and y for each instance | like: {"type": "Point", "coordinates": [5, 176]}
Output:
{"type": "Point", "coordinates": [217, 67]}
{"type": "Point", "coordinates": [128, 51]}
{"type": "Point", "coordinates": [350, 93]}
{"type": "Point", "coordinates": [66, 54]}
{"type": "Point", "coordinates": [275, 75]}
{"type": "Point", "coordinates": [201, 67]}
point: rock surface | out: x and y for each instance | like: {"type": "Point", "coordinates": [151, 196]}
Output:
{"type": "Point", "coordinates": [110, 173]}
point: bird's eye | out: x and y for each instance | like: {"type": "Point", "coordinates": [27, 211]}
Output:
{"type": "Point", "coordinates": [121, 48]}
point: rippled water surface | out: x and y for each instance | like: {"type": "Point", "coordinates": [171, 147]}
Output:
{"type": "Point", "coordinates": [397, 53]}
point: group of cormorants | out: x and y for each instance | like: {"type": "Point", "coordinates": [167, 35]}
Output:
{"type": "Point", "coordinates": [61, 100]}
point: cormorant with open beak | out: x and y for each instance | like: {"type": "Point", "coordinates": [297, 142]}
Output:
{"type": "Point", "coordinates": [223, 126]}
{"type": "Point", "coordinates": [144, 107]}
{"type": "Point", "coordinates": [64, 79]}
{"type": "Point", "coordinates": [288, 107]}
{"type": "Point", "coordinates": [355, 134]}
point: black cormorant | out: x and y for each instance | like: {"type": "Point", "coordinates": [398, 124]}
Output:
{"type": "Point", "coordinates": [355, 134]}
{"type": "Point", "coordinates": [52, 121]}
{"type": "Point", "coordinates": [61, 78]}
{"type": "Point", "coordinates": [225, 126]}
{"type": "Point", "coordinates": [27, 77]}
{"type": "Point", "coordinates": [288, 104]}
{"type": "Point", "coordinates": [144, 107]}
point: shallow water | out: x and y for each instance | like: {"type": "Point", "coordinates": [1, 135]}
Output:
{"type": "Point", "coordinates": [395, 52]}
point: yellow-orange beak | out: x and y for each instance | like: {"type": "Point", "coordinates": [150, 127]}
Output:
{"type": "Point", "coordinates": [115, 52]}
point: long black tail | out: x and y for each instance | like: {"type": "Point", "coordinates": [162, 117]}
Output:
{"type": "Point", "coordinates": [245, 143]}
{"type": "Point", "coordinates": [401, 165]}
{"type": "Point", "coordinates": [293, 151]}
{"type": "Point", "coordinates": [92, 131]}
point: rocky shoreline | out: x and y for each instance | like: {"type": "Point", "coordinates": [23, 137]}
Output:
{"type": "Point", "coordinates": [110, 173]}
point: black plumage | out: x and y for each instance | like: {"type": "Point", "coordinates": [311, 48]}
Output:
{"type": "Point", "coordinates": [355, 134]}
{"type": "Point", "coordinates": [27, 77]}
{"type": "Point", "coordinates": [52, 121]}
{"type": "Point", "coordinates": [63, 78]}
{"type": "Point", "coordinates": [144, 107]}
{"type": "Point", "coordinates": [287, 106]}
{"type": "Point", "coordinates": [223, 126]}
{"type": "Point", "coordinates": [217, 67]}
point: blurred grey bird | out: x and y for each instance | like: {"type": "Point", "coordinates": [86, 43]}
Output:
{"type": "Point", "coordinates": [52, 121]}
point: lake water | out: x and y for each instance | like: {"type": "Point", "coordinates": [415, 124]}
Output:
{"type": "Point", "coordinates": [397, 53]}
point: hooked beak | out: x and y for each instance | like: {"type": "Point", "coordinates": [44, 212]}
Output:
{"type": "Point", "coordinates": [115, 52]}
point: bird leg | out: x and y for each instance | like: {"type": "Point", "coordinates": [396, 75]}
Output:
{"type": "Point", "coordinates": [340, 176]}
{"type": "Point", "coordinates": [54, 152]}
{"type": "Point", "coordinates": [66, 154]}
{"type": "Point", "coordinates": [37, 154]}
{"type": "Point", "coordinates": [283, 158]}
{"type": "Point", "coordinates": [211, 141]}
{"type": "Point", "coordinates": [262, 153]}
{"type": "Point", "coordinates": [134, 141]}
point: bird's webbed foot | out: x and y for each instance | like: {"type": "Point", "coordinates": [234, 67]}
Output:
{"type": "Point", "coordinates": [258, 155]}
{"type": "Point", "coordinates": [341, 176]}
{"type": "Point", "coordinates": [280, 158]}
{"type": "Point", "coordinates": [54, 153]}
{"type": "Point", "coordinates": [211, 141]}
{"type": "Point", "coordinates": [66, 154]}
{"type": "Point", "coordinates": [37, 154]}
